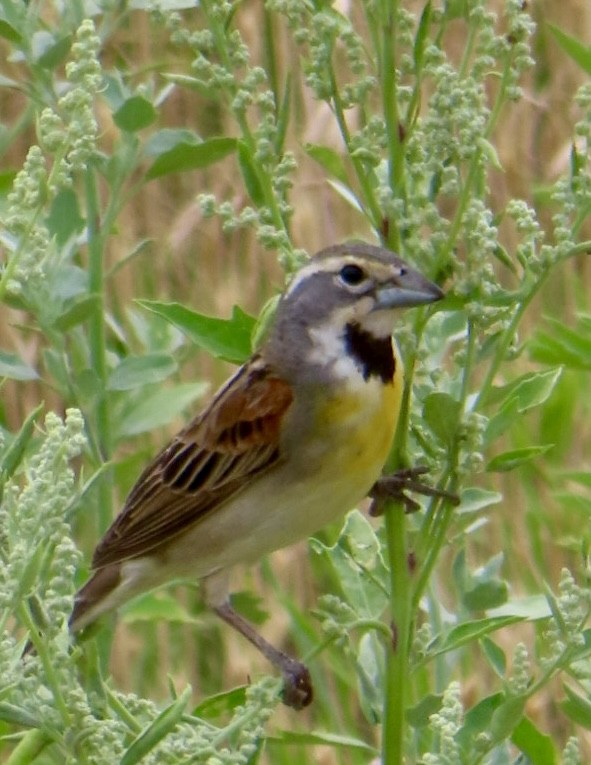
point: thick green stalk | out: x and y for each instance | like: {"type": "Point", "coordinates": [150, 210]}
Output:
{"type": "Point", "coordinates": [393, 724]}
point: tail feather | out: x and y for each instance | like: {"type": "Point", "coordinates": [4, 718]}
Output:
{"type": "Point", "coordinates": [94, 599]}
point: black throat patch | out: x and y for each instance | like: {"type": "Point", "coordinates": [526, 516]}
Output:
{"type": "Point", "coordinates": [374, 355]}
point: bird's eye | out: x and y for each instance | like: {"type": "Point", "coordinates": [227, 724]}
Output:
{"type": "Point", "coordinates": [352, 274]}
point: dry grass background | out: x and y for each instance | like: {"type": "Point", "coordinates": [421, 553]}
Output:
{"type": "Point", "coordinates": [191, 260]}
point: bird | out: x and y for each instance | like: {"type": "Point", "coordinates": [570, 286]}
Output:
{"type": "Point", "coordinates": [298, 436]}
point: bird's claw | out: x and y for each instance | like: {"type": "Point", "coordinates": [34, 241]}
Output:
{"type": "Point", "coordinates": [395, 486]}
{"type": "Point", "coordinates": [297, 690]}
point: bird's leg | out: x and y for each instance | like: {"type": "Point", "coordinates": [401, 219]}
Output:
{"type": "Point", "coordinates": [297, 689]}
{"type": "Point", "coordinates": [395, 486]}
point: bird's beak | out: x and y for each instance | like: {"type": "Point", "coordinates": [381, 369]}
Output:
{"type": "Point", "coordinates": [407, 290]}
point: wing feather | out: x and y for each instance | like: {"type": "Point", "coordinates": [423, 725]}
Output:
{"type": "Point", "coordinates": [213, 458]}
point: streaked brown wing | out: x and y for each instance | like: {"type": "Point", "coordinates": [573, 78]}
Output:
{"type": "Point", "coordinates": [235, 438]}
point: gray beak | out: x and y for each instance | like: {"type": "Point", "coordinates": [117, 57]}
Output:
{"type": "Point", "coordinates": [408, 289]}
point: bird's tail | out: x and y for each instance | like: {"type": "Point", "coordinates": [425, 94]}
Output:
{"type": "Point", "coordinates": [96, 597]}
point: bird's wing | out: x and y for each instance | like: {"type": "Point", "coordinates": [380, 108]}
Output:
{"type": "Point", "coordinates": [234, 439]}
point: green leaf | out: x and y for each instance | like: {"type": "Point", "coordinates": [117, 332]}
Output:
{"type": "Point", "coordinates": [221, 703]}
{"type": "Point", "coordinates": [166, 139]}
{"type": "Point", "coordinates": [227, 339]}
{"type": "Point", "coordinates": [156, 607]}
{"type": "Point", "coordinates": [577, 708]}
{"type": "Point", "coordinates": [528, 391]}
{"type": "Point", "coordinates": [473, 499]}
{"type": "Point", "coordinates": [418, 716]}
{"type": "Point", "coordinates": [321, 738]}
{"type": "Point", "coordinates": [485, 595]}
{"type": "Point", "coordinates": [64, 220]}
{"type": "Point", "coordinates": [468, 632]}
{"type": "Point", "coordinates": [8, 32]}
{"type": "Point", "coordinates": [573, 47]}
{"type": "Point", "coordinates": [478, 719]}
{"type": "Point", "coordinates": [516, 458]}
{"type": "Point", "coordinates": [13, 367]}
{"type": "Point", "coordinates": [164, 724]}
{"type": "Point", "coordinates": [357, 560]}
{"type": "Point", "coordinates": [77, 312]}
{"type": "Point", "coordinates": [135, 371]}
{"type": "Point", "coordinates": [567, 346]}
{"type": "Point", "coordinates": [495, 655]}
{"type": "Point", "coordinates": [191, 156]}
{"type": "Point", "coordinates": [249, 175]}
{"type": "Point", "coordinates": [14, 715]}
{"type": "Point", "coordinates": [13, 454]}
{"type": "Point", "coordinates": [506, 718]}
{"type": "Point", "coordinates": [422, 36]}
{"type": "Point", "coordinates": [135, 114]}
{"type": "Point", "coordinates": [329, 160]}
{"type": "Point", "coordinates": [532, 608]}
{"type": "Point", "coordinates": [441, 413]}
{"type": "Point", "coordinates": [535, 745]}
{"type": "Point", "coordinates": [49, 52]}
{"type": "Point", "coordinates": [158, 409]}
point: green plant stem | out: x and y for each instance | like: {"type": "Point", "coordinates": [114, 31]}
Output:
{"type": "Point", "coordinates": [390, 108]}
{"type": "Point", "coordinates": [29, 747]}
{"type": "Point", "coordinates": [41, 648]}
{"type": "Point", "coordinates": [367, 188]}
{"type": "Point", "coordinates": [393, 725]}
{"type": "Point", "coordinates": [97, 337]}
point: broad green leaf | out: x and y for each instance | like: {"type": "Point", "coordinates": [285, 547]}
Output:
{"type": "Point", "coordinates": [221, 703]}
{"type": "Point", "coordinates": [49, 52]}
{"type": "Point", "coordinates": [502, 420]}
{"type": "Point", "coordinates": [135, 114]}
{"type": "Point", "coordinates": [156, 607]}
{"type": "Point", "coordinates": [64, 220]}
{"type": "Point", "coordinates": [77, 312]}
{"type": "Point", "coordinates": [485, 595]}
{"type": "Point", "coordinates": [577, 708]}
{"type": "Point", "coordinates": [532, 608]}
{"type": "Point", "coordinates": [573, 47]}
{"type": "Point", "coordinates": [329, 160]}
{"type": "Point", "coordinates": [478, 719]}
{"type": "Point", "coordinates": [157, 409]}
{"type": "Point", "coordinates": [530, 390]}
{"type": "Point", "coordinates": [515, 458]}
{"type": "Point", "coordinates": [495, 655]}
{"type": "Point", "coordinates": [506, 718]}
{"type": "Point", "coordinates": [357, 560]}
{"type": "Point", "coordinates": [468, 632]}
{"type": "Point", "coordinates": [164, 724]}
{"type": "Point", "coordinates": [13, 367]}
{"type": "Point", "coordinates": [8, 32]}
{"type": "Point", "coordinates": [474, 499]}
{"type": "Point", "coordinates": [441, 413]}
{"type": "Point", "coordinates": [535, 745]}
{"type": "Point", "coordinates": [166, 139]}
{"type": "Point", "coordinates": [135, 371]}
{"type": "Point", "coordinates": [418, 716]}
{"type": "Point", "coordinates": [227, 339]}
{"type": "Point", "coordinates": [371, 672]}
{"type": "Point", "coordinates": [191, 156]}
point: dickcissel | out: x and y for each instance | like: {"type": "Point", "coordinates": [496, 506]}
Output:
{"type": "Point", "coordinates": [297, 437]}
